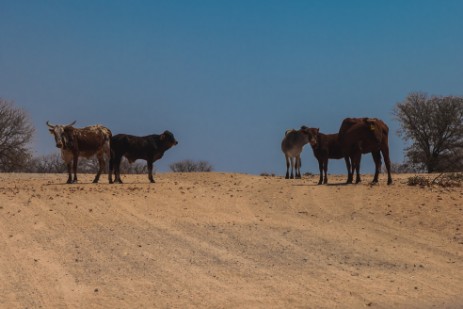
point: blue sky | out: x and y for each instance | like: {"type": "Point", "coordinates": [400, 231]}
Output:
{"type": "Point", "coordinates": [226, 77]}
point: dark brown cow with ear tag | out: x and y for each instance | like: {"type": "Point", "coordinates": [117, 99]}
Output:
{"type": "Point", "coordinates": [365, 135]}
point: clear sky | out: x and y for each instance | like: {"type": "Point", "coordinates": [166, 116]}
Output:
{"type": "Point", "coordinates": [226, 77]}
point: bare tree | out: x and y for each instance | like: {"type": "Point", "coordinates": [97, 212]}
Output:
{"type": "Point", "coordinates": [52, 163]}
{"type": "Point", "coordinates": [186, 166]}
{"type": "Point", "coordinates": [402, 168]}
{"type": "Point", "coordinates": [434, 125]}
{"type": "Point", "coordinates": [16, 132]}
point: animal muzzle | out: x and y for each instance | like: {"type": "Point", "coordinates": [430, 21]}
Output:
{"type": "Point", "coordinates": [59, 145]}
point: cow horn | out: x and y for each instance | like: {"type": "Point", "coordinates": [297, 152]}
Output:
{"type": "Point", "coordinates": [71, 124]}
{"type": "Point", "coordinates": [51, 126]}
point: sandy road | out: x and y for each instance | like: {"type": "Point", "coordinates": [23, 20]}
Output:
{"type": "Point", "coordinates": [218, 240]}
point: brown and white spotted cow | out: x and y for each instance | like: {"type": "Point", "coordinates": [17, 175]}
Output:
{"type": "Point", "coordinates": [82, 142]}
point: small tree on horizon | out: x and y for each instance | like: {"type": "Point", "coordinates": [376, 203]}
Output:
{"type": "Point", "coordinates": [434, 125]}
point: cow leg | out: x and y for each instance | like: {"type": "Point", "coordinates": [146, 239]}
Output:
{"type": "Point", "coordinates": [69, 166]}
{"type": "Point", "coordinates": [117, 169]}
{"type": "Point", "coordinates": [387, 162]}
{"type": "Point", "coordinates": [101, 166]}
{"type": "Point", "coordinates": [357, 167]}
{"type": "Point", "coordinates": [292, 167]}
{"type": "Point", "coordinates": [325, 170]}
{"type": "Point", "coordinates": [320, 168]}
{"type": "Point", "coordinates": [287, 167]}
{"type": "Point", "coordinates": [355, 160]}
{"type": "Point", "coordinates": [377, 159]}
{"type": "Point", "coordinates": [74, 167]}
{"type": "Point", "coordinates": [110, 169]}
{"type": "Point", "coordinates": [298, 167]}
{"type": "Point", "coordinates": [349, 169]}
{"type": "Point", "coordinates": [150, 171]}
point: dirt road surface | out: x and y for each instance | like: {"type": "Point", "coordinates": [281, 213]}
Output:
{"type": "Point", "coordinates": [218, 240]}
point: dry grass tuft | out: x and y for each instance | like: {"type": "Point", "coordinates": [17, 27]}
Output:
{"type": "Point", "coordinates": [443, 180]}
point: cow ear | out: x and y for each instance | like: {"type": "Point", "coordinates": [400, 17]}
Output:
{"type": "Point", "coordinates": [51, 131]}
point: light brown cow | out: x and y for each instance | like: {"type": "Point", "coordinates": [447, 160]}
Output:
{"type": "Point", "coordinates": [82, 142]}
{"type": "Point", "coordinates": [292, 145]}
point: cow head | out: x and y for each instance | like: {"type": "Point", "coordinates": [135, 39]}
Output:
{"type": "Point", "coordinates": [168, 138]}
{"type": "Point", "coordinates": [374, 127]}
{"type": "Point", "coordinates": [61, 133]}
{"type": "Point", "coordinates": [312, 134]}
{"type": "Point", "coordinates": [289, 131]}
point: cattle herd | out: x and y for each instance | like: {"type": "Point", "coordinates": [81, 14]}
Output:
{"type": "Point", "coordinates": [98, 140]}
{"type": "Point", "coordinates": [356, 136]}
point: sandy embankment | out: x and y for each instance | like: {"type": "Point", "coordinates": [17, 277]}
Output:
{"type": "Point", "coordinates": [222, 240]}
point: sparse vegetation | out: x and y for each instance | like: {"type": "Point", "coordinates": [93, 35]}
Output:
{"type": "Point", "coordinates": [442, 180]}
{"type": "Point", "coordinates": [264, 174]}
{"type": "Point", "coordinates": [53, 163]}
{"type": "Point", "coordinates": [188, 166]}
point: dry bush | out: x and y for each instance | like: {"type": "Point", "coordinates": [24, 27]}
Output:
{"type": "Point", "coordinates": [265, 174]}
{"type": "Point", "coordinates": [442, 180]}
{"type": "Point", "coordinates": [188, 166]}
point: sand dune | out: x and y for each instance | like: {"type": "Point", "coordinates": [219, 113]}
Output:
{"type": "Point", "coordinates": [218, 240]}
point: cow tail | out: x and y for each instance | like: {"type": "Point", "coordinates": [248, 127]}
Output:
{"type": "Point", "coordinates": [111, 156]}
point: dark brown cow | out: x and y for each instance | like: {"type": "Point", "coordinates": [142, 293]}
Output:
{"type": "Point", "coordinates": [364, 135]}
{"type": "Point", "coordinates": [81, 142]}
{"type": "Point", "coordinates": [149, 148]}
{"type": "Point", "coordinates": [326, 146]}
